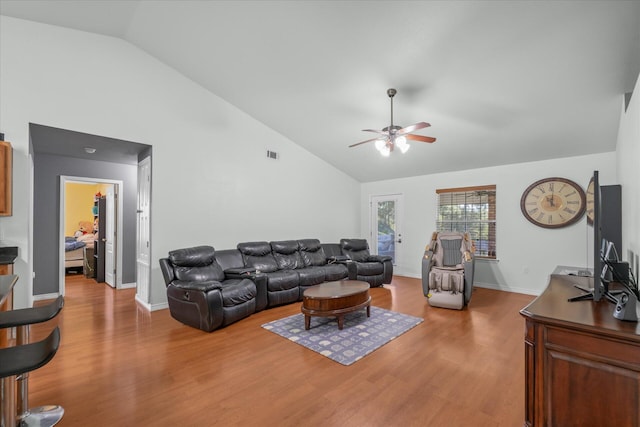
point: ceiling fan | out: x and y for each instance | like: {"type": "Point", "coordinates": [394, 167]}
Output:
{"type": "Point", "coordinates": [395, 136]}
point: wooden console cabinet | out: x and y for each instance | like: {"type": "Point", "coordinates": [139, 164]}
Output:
{"type": "Point", "coordinates": [582, 365]}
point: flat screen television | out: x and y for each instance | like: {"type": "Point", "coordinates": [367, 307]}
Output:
{"type": "Point", "coordinates": [603, 249]}
{"type": "Point", "coordinates": [594, 185]}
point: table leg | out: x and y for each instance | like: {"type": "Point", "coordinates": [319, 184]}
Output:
{"type": "Point", "coordinates": [369, 310]}
{"type": "Point", "coordinates": [340, 322]}
{"type": "Point", "coordinates": [307, 322]}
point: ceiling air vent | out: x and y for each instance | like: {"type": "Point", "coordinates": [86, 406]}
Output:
{"type": "Point", "coordinates": [272, 155]}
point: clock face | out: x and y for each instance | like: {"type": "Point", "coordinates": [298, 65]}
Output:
{"type": "Point", "coordinates": [553, 202]}
{"type": "Point", "coordinates": [590, 201]}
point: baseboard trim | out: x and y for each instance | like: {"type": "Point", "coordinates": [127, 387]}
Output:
{"type": "Point", "coordinates": [152, 307]}
{"type": "Point", "coordinates": [127, 285]}
{"type": "Point", "coordinates": [493, 286]}
{"type": "Point", "coordinates": [506, 288]}
{"type": "Point", "coordinates": [161, 306]}
{"type": "Point", "coordinates": [41, 297]}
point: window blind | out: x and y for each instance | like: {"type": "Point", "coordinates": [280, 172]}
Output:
{"type": "Point", "coordinates": [472, 210]}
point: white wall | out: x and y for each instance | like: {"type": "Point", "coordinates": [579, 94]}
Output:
{"type": "Point", "coordinates": [526, 254]}
{"type": "Point", "coordinates": [628, 155]}
{"type": "Point", "coordinates": [212, 183]}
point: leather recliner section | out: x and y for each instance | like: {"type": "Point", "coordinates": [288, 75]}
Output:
{"type": "Point", "coordinates": [199, 294]}
{"type": "Point", "coordinates": [282, 285]}
{"type": "Point", "coordinates": [374, 269]}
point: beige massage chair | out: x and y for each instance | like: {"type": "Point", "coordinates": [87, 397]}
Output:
{"type": "Point", "coordinates": [447, 270]}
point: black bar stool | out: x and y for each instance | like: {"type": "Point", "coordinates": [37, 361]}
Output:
{"type": "Point", "coordinates": [44, 416]}
{"type": "Point", "coordinates": [22, 359]}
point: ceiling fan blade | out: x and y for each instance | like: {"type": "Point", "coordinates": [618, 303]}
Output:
{"type": "Point", "coordinates": [420, 138]}
{"type": "Point", "coordinates": [411, 128]}
{"type": "Point", "coordinates": [381, 132]}
{"type": "Point", "coordinates": [363, 142]}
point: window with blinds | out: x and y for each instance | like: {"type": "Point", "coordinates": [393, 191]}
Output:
{"type": "Point", "coordinates": [472, 210]}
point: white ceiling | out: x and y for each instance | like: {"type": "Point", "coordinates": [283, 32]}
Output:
{"type": "Point", "coordinates": [500, 81]}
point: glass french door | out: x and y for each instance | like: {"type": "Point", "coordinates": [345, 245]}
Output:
{"type": "Point", "coordinates": [386, 230]}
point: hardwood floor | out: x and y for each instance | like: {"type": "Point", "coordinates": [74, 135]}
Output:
{"type": "Point", "coordinates": [120, 365]}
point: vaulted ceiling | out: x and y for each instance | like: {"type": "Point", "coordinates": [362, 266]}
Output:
{"type": "Point", "coordinates": [500, 81]}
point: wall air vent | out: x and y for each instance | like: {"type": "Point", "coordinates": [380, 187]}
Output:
{"type": "Point", "coordinates": [272, 155]}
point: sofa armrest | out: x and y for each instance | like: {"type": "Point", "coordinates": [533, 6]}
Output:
{"type": "Point", "coordinates": [239, 272]}
{"type": "Point", "coordinates": [192, 285]}
{"type": "Point", "coordinates": [260, 280]}
{"type": "Point", "coordinates": [338, 258]}
{"type": "Point", "coordinates": [379, 258]}
{"type": "Point", "coordinates": [167, 271]}
{"type": "Point", "coordinates": [469, 267]}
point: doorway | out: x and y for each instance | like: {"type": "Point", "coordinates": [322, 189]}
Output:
{"type": "Point", "coordinates": [96, 202]}
{"type": "Point", "coordinates": [386, 226]}
{"type": "Point", "coordinates": [143, 238]}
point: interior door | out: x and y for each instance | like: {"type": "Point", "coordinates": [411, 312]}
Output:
{"type": "Point", "coordinates": [110, 236]}
{"type": "Point", "coordinates": [386, 227]}
{"type": "Point", "coordinates": [143, 250]}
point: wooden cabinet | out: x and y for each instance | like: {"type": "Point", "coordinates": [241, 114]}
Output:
{"type": "Point", "coordinates": [6, 161]}
{"type": "Point", "coordinates": [582, 365]}
{"type": "Point", "coordinates": [6, 301]}
{"type": "Point", "coordinates": [7, 304]}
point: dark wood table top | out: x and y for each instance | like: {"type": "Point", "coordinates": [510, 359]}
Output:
{"type": "Point", "coordinates": [337, 289]}
{"type": "Point", "coordinates": [6, 285]}
{"type": "Point", "coordinates": [552, 307]}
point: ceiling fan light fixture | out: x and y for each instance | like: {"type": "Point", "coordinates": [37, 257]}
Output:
{"type": "Point", "coordinates": [393, 135]}
{"type": "Point", "coordinates": [401, 143]}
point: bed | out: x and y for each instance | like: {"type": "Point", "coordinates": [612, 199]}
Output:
{"type": "Point", "coordinates": [74, 250]}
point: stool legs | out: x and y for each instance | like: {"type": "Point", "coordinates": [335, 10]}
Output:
{"type": "Point", "coordinates": [8, 402]}
{"type": "Point", "coordinates": [42, 416]}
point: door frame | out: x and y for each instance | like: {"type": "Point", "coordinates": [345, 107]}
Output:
{"type": "Point", "coordinates": [373, 222]}
{"type": "Point", "coordinates": [143, 228]}
{"type": "Point", "coordinates": [111, 205]}
{"type": "Point", "coordinates": [64, 179]}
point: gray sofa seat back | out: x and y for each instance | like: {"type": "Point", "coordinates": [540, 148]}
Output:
{"type": "Point", "coordinates": [196, 264]}
{"type": "Point", "coordinates": [356, 249]}
{"type": "Point", "coordinates": [258, 255]}
{"type": "Point", "coordinates": [312, 252]}
{"type": "Point", "coordinates": [331, 249]}
{"type": "Point", "coordinates": [287, 255]}
{"type": "Point", "coordinates": [229, 258]}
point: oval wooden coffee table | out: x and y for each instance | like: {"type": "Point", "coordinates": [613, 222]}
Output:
{"type": "Point", "coordinates": [335, 299]}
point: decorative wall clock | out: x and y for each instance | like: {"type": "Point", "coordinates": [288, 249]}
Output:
{"type": "Point", "coordinates": [553, 202]}
{"type": "Point", "coordinates": [590, 202]}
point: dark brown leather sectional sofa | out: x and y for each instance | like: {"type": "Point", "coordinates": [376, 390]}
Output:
{"type": "Point", "coordinates": [209, 289]}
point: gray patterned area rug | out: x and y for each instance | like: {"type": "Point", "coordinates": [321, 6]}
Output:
{"type": "Point", "coordinates": [361, 334]}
